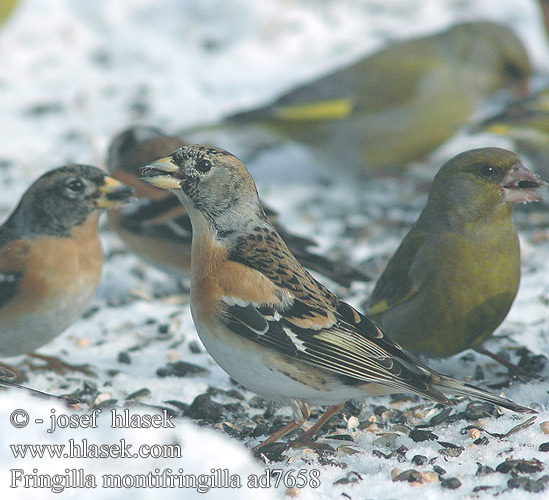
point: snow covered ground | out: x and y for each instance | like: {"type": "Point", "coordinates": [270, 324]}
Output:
{"type": "Point", "coordinates": [73, 73]}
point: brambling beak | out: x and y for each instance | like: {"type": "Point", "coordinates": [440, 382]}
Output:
{"type": "Point", "coordinates": [520, 184]}
{"type": "Point", "coordinates": [161, 174]}
{"type": "Point", "coordinates": [113, 193]}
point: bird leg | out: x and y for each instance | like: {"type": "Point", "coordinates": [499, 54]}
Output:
{"type": "Point", "coordinates": [58, 365]}
{"type": "Point", "coordinates": [513, 369]}
{"type": "Point", "coordinates": [301, 413]}
{"type": "Point", "coordinates": [310, 433]}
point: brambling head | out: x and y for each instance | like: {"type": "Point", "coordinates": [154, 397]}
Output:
{"type": "Point", "coordinates": [208, 180]}
{"type": "Point", "coordinates": [134, 148]}
{"type": "Point", "coordinates": [63, 198]}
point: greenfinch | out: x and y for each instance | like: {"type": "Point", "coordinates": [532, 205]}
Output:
{"type": "Point", "coordinates": [399, 104]}
{"type": "Point", "coordinates": [526, 123]}
{"type": "Point", "coordinates": [455, 275]}
{"type": "Point", "coordinates": [544, 7]}
{"type": "Point", "coordinates": [6, 8]}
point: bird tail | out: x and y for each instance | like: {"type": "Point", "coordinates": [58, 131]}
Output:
{"type": "Point", "coordinates": [461, 388]}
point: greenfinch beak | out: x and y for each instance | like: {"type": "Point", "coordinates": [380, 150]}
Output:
{"type": "Point", "coordinates": [520, 184]}
{"type": "Point", "coordinates": [161, 174]}
{"type": "Point", "coordinates": [113, 193]}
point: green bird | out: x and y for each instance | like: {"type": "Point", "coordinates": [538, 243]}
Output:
{"type": "Point", "coordinates": [399, 104]}
{"type": "Point", "coordinates": [526, 123]}
{"type": "Point", "coordinates": [455, 275]}
{"type": "Point", "coordinates": [6, 8]}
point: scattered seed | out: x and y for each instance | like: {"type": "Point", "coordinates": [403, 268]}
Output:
{"type": "Point", "coordinates": [450, 446]}
{"type": "Point", "coordinates": [418, 435]}
{"type": "Point", "coordinates": [350, 478]}
{"type": "Point", "coordinates": [106, 403]}
{"type": "Point", "coordinates": [439, 470]}
{"type": "Point", "coordinates": [141, 393]}
{"type": "Point", "coordinates": [484, 470]}
{"type": "Point", "coordinates": [474, 433]}
{"type": "Point", "coordinates": [353, 422]}
{"type": "Point", "coordinates": [481, 441]}
{"type": "Point", "coordinates": [410, 476]}
{"type": "Point", "coordinates": [387, 440]}
{"type": "Point", "coordinates": [203, 408]}
{"type": "Point", "coordinates": [481, 488]}
{"type": "Point", "coordinates": [441, 417]}
{"type": "Point", "coordinates": [347, 450]}
{"type": "Point", "coordinates": [124, 357]}
{"type": "Point", "coordinates": [180, 369]}
{"type": "Point", "coordinates": [452, 483]}
{"type": "Point", "coordinates": [419, 459]}
{"type": "Point", "coordinates": [395, 472]}
{"type": "Point", "coordinates": [233, 393]}
{"type": "Point", "coordinates": [341, 437]}
{"type": "Point", "coordinates": [476, 410]}
{"type": "Point", "coordinates": [272, 452]}
{"type": "Point", "coordinates": [429, 477]}
{"type": "Point", "coordinates": [380, 454]}
{"type": "Point", "coordinates": [520, 466]}
{"type": "Point", "coordinates": [194, 347]}
{"type": "Point", "coordinates": [531, 363]}
{"type": "Point", "coordinates": [526, 484]}
{"type": "Point", "coordinates": [293, 492]}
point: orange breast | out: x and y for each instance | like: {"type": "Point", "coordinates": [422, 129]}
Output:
{"type": "Point", "coordinates": [55, 270]}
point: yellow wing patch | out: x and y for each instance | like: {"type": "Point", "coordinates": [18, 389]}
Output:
{"type": "Point", "coordinates": [334, 109]}
{"type": "Point", "coordinates": [378, 307]}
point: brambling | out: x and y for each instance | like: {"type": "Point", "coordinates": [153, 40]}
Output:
{"type": "Point", "coordinates": [455, 275]}
{"type": "Point", "coordinates": [399, 104]}
{"type": "Point", "coordinates": [264, 319]}
{"type": "Point", "coordinates": [50, 255]}
{"type": "Point", "coordinates": [157, 228]}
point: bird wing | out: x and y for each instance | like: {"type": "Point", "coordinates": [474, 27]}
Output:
{"type": "Point", "coordinates": [366, 86]}
{"type": "Point", "coordinates": [160, 218]}
{"type": "Point", "coordinates": [314, 326]}
{"type": "Point", "coordinates": [12, 253]}
{"type": "Point", "coordinates": [397, 284]}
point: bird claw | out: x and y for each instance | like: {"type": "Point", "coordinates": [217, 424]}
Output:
{"type": "Point", "coordinates": [58, 365]}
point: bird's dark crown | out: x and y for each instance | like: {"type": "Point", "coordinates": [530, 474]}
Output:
{"type": "Point", "coordinates": [58, 201]}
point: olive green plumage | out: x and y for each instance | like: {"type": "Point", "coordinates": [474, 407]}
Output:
{"type": "Point", "coordinates": [455, 275]}
{"type": "Point", "coordinates": [6, 8]}
{"type": "Point", "coordinates": [399, 104]}
{"type": "Point", "coordinates": [526, 122]}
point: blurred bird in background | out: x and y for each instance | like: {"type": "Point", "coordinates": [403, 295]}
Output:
{"type": "Point", "coordinates": [6, 8]}
{"type": "Point", "coordinates": [455, 275]}
{"type": "Point", "coordinates": [399, 104]}
{"type": "Point", "coordinates": [526, 121]}
{"type": "Point", "coordinates": [157, 228]}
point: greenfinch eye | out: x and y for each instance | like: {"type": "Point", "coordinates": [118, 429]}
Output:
{"type": "Point", "coordinates": [486, 170]}
{"type": "Point", "coordinates": [204, 166]}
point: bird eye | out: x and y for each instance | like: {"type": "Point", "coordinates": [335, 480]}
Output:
{"type": "Point", "coordinates": [487, 170]}
{"type": "Point", "coordinates": [204, 166]}
{"type": "Point", "coordinates": [75, 186]}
